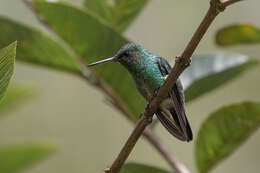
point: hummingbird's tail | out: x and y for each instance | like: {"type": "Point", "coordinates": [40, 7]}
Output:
{"type": "Point", "coordinates": [189, 131]}
{"type": "Point", "coordinates": [172, 124]}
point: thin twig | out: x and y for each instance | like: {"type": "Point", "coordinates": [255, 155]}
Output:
{"type": "Point", "coordinates": [156, 142]}
{"type": "Point", "coordinates": [181, 64]}
{"type": "Point", "coordinates": [115, 101]}
{"type": "Point", "coordinates": [227, 3]}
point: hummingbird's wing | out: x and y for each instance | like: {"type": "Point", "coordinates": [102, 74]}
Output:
{"type": "Point", "coordinates": [178, 125]}
{"type": "Point", "coordinates": [165, 118]}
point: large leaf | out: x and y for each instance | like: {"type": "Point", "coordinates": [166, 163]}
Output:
{"type": "Point", "coordinates": [119, 14]}
{"type": "Point", "coordinates": [35, 47]}
{"type": "Point", "coordinates": [101, 8]}
{"type": "Point", "coordinates": [15, 95]}
{"type": "Point", "coordinates": [94, 41]}
{"type": "Point", "coordinates": [17, 157]}
{"type": "Point", "coordinates": [7, 58]}
{"type": "Point", "coordinates": [224, 131]}
{"type": "Point", "coordinates": [210, 71]}
{"type": "Point", "coordinates": [238, 34]}
{"type": "Point", "coordinates": [140, 168]}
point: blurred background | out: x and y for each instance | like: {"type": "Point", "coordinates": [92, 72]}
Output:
{"type": "Point", "coordinates": [88, 133]}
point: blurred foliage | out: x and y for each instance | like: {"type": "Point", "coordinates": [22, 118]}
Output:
{"type": "Point", "coordinates": [94, 41]}
{"type": "Point", "coordinates": [66, 21]}
{"type": "Point", "coordinates": [119, 14]}
{"type": "Point", "coordinates": [7, 58]}
{"type": "Point", "coordinates": [15, 158]}
{"type": "Point", "coordinates": [238, 34]}
{"type": "Point", "coordinates": [215, 80]}
{"type": "Point", "coordinates": [35, 47]}
{"type": "Point", "coordinates": [15, 95]}
{"type": "Point", "coordinates": [140, 168]}
{"type": "Point", "coordinates": [212, 70]}
{"type": "Point", "coordinates": [224, 131]}
{"type": "Point", "coordinates": [93, 33]}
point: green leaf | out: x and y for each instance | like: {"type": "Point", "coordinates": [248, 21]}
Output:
{"type": "Point", "coordinates": [15, 95]}
{"type": "Point", "coordinates": [238, 34]}
{"type": "Point", "coordinates": [140, 168]}
{"type": "Point", "coordinates": [35, 47]}
{"type": "Point", "coordinates": [210, 71]}
{"type": "Point", "coordinates": [94, 41]}
{"type": "Point", "coordinates": [18, 157]}
{"type": "Point", "coordinates": [101, 8]}
{"type": "Point", "coordinates": [119, 14]}
{"type": "Point", "coordinates": [224, 131]}
{"type": "Point", "coordinates": [7, 58]}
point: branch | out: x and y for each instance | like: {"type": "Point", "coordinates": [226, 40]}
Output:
{"type": "Point", "coordinates": [227, 3]}
{"type": "Point", "coordinates": [181, 64]}
{"type": "Point", "coordinates": [156, 142]}
{"type": "Point", "coordinates": [91, 78]}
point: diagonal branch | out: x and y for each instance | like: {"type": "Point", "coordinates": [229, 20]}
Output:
{"type": "Point", "coordinates": [181, 64]}
{"type": "Point", "coordinates": [227, 3]}
{"type": "Point", "coordinates": [91, 78]}
{"type": "Point", "coordinates": [156, 142]}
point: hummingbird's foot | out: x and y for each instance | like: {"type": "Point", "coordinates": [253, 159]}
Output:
{"type": "Point", "coordinates": [157, 90]}
{"type": "Point", "coordinates": [147, 107]}
{"type": "Point", "coordinates": [145, 110]}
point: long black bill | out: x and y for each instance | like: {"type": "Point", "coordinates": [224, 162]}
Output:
{"type": "Point", "coordinates": [103, 61]}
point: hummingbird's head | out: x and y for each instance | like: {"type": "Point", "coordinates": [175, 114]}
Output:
{"type": "Point", "coordinates": [129, 55]}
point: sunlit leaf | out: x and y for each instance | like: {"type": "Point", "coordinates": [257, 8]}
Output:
{"type": "Point", "coordinates": [15, 95]}
{"type": "Point", "coordinates": [35, 47]}
{"type": "Point", "coordinates": [18, 157]}
{"type": "Point", "coordinates": [94, 41]}
{"type": "Point", "coordinates": [119, 14]}
{"type": "Point", "coordinates": [224, 131]}
{"type": "Point", "coordinates": [210, 71]}
{"type": "Point", "coordinates": [7, 58]}
{"type": "Point", "coordinates": [238, 34]}
{"type": "Point", "coordinates": [140, 168]}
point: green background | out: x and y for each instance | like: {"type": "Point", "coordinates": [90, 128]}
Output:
{"type": "Point", "coordinates": [89, 133]}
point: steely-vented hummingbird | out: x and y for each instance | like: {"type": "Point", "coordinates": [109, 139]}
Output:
{"type": "Point", "coordinates": [149, 72]}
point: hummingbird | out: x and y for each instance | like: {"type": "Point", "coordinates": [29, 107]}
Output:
{"type": "Point", "coordinates": [149, 72]}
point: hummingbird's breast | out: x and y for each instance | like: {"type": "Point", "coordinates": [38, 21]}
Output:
{"type": "Point", "coordinates": [148, 79]}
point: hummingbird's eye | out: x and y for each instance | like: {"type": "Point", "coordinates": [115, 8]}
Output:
{"type": "Point", "coordinates": [125, 54]}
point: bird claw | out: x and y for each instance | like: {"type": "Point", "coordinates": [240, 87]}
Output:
{"type": "Point", "coordinates": [147, 107]}
{"type": "Point", "coordinates": [157, 90]}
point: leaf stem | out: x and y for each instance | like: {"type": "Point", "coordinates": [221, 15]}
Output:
{"type": "Point", "coordinates": [182, 62]}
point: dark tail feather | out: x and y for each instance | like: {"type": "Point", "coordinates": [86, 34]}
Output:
{"type": "Point", "coordinates": [189, 131]}
{"type": "Point", "coordinates": [173, 125]}
{"type": "Point", "coordinates": [170, 126]}
{"type": "Point", "coordinates": [187, 126]}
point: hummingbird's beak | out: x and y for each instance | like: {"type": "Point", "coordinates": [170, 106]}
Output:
{"type": "Point", "coordinates": [102, 61]}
